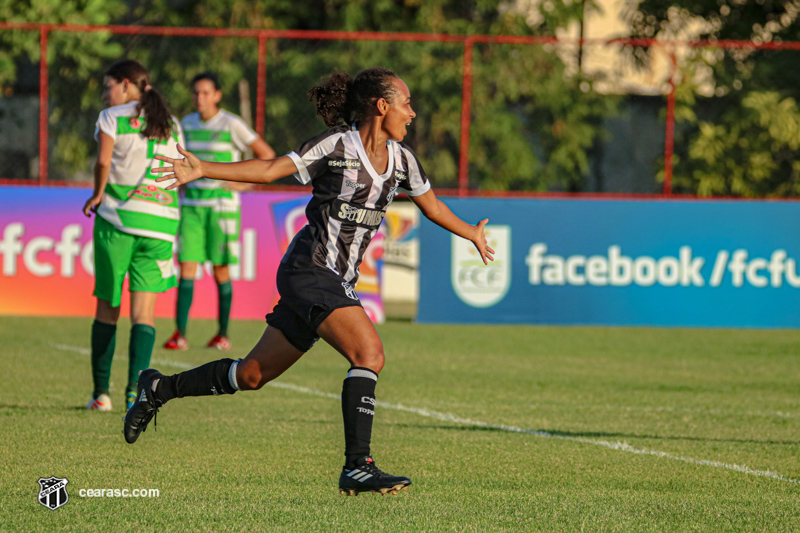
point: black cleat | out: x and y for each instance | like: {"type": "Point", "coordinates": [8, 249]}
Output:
{"type": "Point", "coordinates": [144, 408]}
{"type": "Point", "coordinates": [366, 477]}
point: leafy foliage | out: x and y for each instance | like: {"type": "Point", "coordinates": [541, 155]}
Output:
{"type": "Point", "coordinates": [735, 108]}
{"type": "Point", "coordinates": [74, 62]}
{"type": "Point", "coordinates": [534, 121]}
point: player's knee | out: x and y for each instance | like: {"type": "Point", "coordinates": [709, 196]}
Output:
{"type": "Point", "coordinates": [376, 363]}
{"type": "Point", "coordinates": [372, 359]}
{"type": "Point", "coordinates": [221, 274]}
{"type": "Point", "coordinates": [249, 376]}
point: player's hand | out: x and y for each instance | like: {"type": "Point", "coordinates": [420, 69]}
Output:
{"type": "Point", "coordinates": [481, 243]}
{"type": "Point", "coordinates": [91, 205]}
{"type": "Point", "coordinates": [183, 171]}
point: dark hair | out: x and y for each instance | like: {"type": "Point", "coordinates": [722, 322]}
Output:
{"type": "Point", "coordinates": [210, 76]}
{"type": "Point", "coordinates": [342, 98]}
{"type": "Point", "coordinates": [159, 121]}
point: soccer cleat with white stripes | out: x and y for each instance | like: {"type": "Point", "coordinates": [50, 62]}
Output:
{"type": "Point", "coordinates": [366, 477]}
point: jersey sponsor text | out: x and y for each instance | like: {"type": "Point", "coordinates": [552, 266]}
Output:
{"type": "Point", "coordinates": [370, 218]}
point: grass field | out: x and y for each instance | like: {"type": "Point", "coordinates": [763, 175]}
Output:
{"type": "Point", "coordinates": [500, 428]}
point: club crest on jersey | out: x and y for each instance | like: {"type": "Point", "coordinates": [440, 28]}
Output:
{"type": "Point", "coordinates": [135, 123]}
{"type": "Point", "coordinates": [53, 492]}
{"type": "Point", "coordinates": [476, 284]}
{"type": "Point", "coordinates": [360, 216]}
{"type": "Point", "coordinates": [350, 291]}
{"type": "Point", "coordinates": [344, 163]}
{"type": "Point", "coordinates": [400, 176]}
{"type": "Point", "coordinates": [150, 193]}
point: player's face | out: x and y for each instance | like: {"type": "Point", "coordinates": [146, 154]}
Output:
{"type": "Point", "coordinates": [399, 113]}
{"type": "Point", "coordinates": [114, 92]}
{"type": "Point", "coordinates": [206, 97]}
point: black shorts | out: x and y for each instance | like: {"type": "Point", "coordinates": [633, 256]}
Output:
{"type": "Point", "coordinates": [308, 296]}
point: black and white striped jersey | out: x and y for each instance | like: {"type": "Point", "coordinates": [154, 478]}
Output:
{"type": "Point", "coordinates": [350, 198]}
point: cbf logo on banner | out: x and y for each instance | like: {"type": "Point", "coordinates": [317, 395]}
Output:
{"type": "Point", "coordinates": [664, 263]}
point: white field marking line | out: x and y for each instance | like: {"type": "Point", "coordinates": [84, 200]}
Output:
{"type": "Point", "coordinates": [666, 409]}
{"type": "Point", "coordinates": [780, 414]}
{"type": "Point", "coordinates": [446, 417]}
{"type": "Point", "coordinates": [123, 357]}
{"type": "Point", "coordinates": [621, 446]}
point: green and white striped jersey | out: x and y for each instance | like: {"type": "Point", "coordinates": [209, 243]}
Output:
{"type": "Point", "coordinates": [132, 201]}
{"type": "Point", "coordinates": [221, 139]}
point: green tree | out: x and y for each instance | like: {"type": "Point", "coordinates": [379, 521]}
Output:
{"type": "Point", "coordinates": [735, 108]}
{"type": "Point", "coordinates": [534, 121]}
{"type": "Point", "coordinates": [534, 124]}
{"type": "Point", "coordinates": [74, 60]}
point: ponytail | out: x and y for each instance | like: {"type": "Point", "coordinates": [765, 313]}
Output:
{"type": "Point", "coordinates": [331, 98]}
{"type": "Point", "coordinates": [158, 120]}
{"type": "Point", "coordinates": [341, 98]}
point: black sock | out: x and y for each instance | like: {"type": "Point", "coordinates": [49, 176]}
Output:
{"type": "Point", "coordinates": [358, 410]}
{"type": "Point", "coordinates": [207, 380]}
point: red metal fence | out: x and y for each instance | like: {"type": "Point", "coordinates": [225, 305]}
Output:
{"type": "Point", "coordinates": [463, 46]}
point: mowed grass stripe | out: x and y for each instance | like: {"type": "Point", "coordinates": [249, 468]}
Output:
{"type": "Point", "coordinates": [269, 461]}
{"type": "Point", "coordinates": [448, 417]}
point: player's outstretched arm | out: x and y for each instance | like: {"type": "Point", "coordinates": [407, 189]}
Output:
{"type": "Point", "coordinates": [190, 168]}
{"type": "Point", "coordinates": [437, 212]}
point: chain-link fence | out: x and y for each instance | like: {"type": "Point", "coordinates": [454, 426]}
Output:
{"type": "Point", "coordinates": [494, 113]}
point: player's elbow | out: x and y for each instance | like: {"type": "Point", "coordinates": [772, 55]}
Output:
{"type": "Point", "coordinates": [269, 173]}
{"type": "Point", "coordinates": [432, 210]}
{"type": "Point", "coordinates": [432, 214]}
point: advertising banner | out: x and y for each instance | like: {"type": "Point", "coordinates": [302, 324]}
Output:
{"type": "Point", "coordinates": [659, 263]}
{"type": "Point", "coordinates": [46, 257]}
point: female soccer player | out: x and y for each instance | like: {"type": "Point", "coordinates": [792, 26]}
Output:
{"type": "Point", "coordinates": [136, 221]}
{"type": "Point", "coordinates": [355, 169]}
{"type": "Point", "coordinates": [211, 210]}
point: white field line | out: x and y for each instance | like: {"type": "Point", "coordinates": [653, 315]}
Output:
{"type": "Point", "coordinates": [621, 446]}
{"type": "Point", "coordinates": [124, 357]}
{"type": "Point", "coordinates": [447, 417]}
{"type": "Point", "coordinates": [667, 409]}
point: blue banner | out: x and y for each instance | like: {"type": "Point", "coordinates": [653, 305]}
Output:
{"type": "Point", "coordinates": [659, 263]}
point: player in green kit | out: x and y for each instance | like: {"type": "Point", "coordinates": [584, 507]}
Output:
{"type": "Point", "coordinates": [211, 210]}
{"type": "Point", "coordinates": [136, 221]}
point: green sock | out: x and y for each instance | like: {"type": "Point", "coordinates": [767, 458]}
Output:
{"type": "Point", "coordinates": [104, 340]}
{"type": "Point", "coordinates": [225, 291]}
{"type": "Point", "coordinates": [185, 294]}
{"type": "Point", "coordinates": [143, 337]}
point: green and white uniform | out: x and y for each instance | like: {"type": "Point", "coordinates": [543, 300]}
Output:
{"type": "Point", "coordinates": [138, 218]}
{"type": "Point", "coordinates": [210, 212]}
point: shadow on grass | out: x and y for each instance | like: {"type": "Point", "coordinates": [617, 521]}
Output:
{"type": "Point", "coordinates": [556, 433]}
